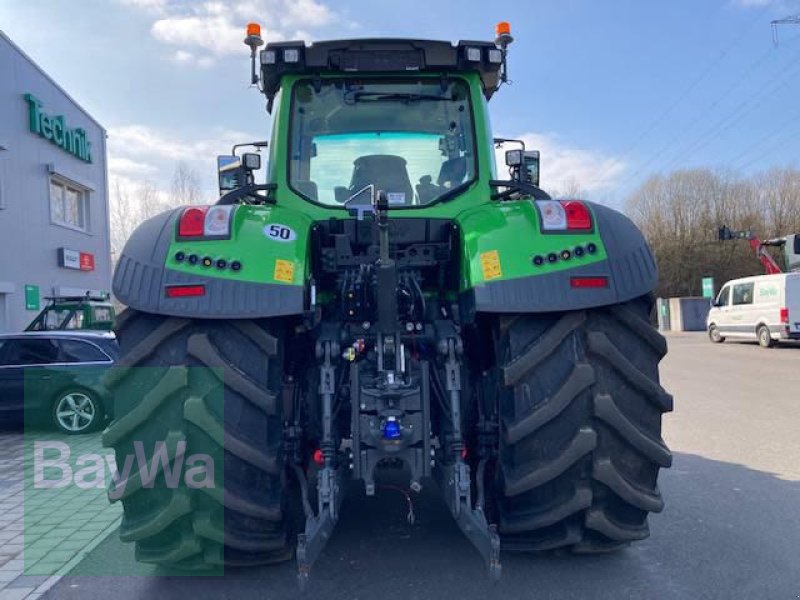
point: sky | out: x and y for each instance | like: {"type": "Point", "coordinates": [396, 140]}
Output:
{"type": "Point", "coordinates": [609, 91]}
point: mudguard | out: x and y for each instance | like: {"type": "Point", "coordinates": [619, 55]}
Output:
{"type": "Point", "coordinates": [623, 256]}
{"type": "Point", "coordinates": [147, 267]}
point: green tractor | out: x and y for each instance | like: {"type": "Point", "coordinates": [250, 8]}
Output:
{"type": "Point", "coordinates": [385, 301]}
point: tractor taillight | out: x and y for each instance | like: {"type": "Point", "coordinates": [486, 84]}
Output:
{"type": "Point", "coordinates": [205, 222]}
{"type": "Point", "coordinates": [218, 222]}
{"type": "Point", "coordinates": [192, 221]}
{"type": "Point", "coordinates": [564, 215]}
{"type": "Point", "coordinates": [578, 215]}
{"type": "Point", "coordinates": [785, 315]}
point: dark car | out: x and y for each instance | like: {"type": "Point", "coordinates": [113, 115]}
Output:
{"type": "Point", "coordinates": [55, 377]}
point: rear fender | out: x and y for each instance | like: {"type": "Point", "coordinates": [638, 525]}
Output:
{"type": "Point", "coordinates": [502, 240]}
{"type": "Point", "coordinates": [269, 283]}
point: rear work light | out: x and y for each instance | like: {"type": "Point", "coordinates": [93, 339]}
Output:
{"type": "Point", "coordinates": [588, 282]}
{"type": "Point", "coordinates": [205, 222]}
{"type": "Point", "coordinates": [185, 291]}
{"type": "Point", "coordinates": [564, 215]}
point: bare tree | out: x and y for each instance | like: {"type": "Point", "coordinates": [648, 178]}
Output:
{"type": "Point", "coordinates": [130, 205]}
{"type": "Point", "coordinates": [133, 202]}
{"type": "Point", "coordinates": [185, 185]}
{"type": "Point", "coordinates": [680, 213]}
{"type": "Point", "coordinates": [571, 188]}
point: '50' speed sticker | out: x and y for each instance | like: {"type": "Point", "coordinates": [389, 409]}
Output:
{"type": "Point", "coordinates": [279, 233]}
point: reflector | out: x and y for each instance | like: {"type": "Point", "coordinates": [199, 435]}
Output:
{"type": "Point", "coordinates": [185, 291]}
{"type": "Point", "coordinates": [589, 282]}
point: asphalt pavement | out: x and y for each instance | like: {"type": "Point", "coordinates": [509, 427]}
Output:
{"type": "Point", "coordinates": [731, 527]}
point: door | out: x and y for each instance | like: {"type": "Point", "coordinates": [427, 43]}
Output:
{"type": "Point", "coordinates": [3, 317]}
{"type": "Point", "coordinates": [721, 315]}
{"type": "Point", "coordinates": [742, 321]}
{"type": "Point", "coordinates": [25, 381]}
{"type": "Point", "coordinates": [12, 392]}
{"type": "Point", "coordinates": [793, 301]}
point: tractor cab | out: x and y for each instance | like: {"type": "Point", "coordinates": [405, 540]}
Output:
{"type": "Point", "coordinates": [75, 312]}
{"type": "Point", "coordinates": [403, 116]}
{"type": "Point", "coordinates": [390, 115]}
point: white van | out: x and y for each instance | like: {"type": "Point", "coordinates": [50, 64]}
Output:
{"type": "Point", "coordinates": [765, 308]}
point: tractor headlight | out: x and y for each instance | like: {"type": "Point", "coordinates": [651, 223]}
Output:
{"type": "Point", "coordinates": [268, 57]}
{"type": "Point", "coordinates": [473, 54]}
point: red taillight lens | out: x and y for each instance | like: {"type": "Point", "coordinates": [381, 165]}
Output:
{"type": "Point", "coordinates": [192, 221]}
{"type": "Point", "coordinates": [578, 215]}
{"type": "Point", "coordinates": [185, 291]}
{"type": "Point", "coordinates": [589, 282]}
{"type": "Point", "coordinates": [785, 315]}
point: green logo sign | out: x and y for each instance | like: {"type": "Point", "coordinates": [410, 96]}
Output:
{"type": "Point", "coordinates": [708, 287]}
{"type": "Point", "coordinates": [31, 297]}
{"type": "Point", "coordinates": [54, 129]}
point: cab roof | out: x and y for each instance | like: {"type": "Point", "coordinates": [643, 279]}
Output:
{"type": "Point", "coordinates": [380, 55]}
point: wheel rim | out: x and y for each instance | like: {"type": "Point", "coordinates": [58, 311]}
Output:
{"type": "Point", "coordinates": [75, 412]}
{"type": "Point", "coordinates": [764, 337]}
{"type": "Point", "coordinates": [715, 334]}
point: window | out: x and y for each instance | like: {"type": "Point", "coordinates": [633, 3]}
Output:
{"type": "Point", "coordinates": [76, 351]}
{"type": "Point", "coordinates": [411, 138]}
{"type": "Point", "coordinates": [742, 293]}
{"type": "Point", "coordinates": [724, 296]}
{"type": "Point", "coordinates": [38, 351]}
{"type": "Point", "coordinates": [103, 314]}
{"type": "Point", "coordinates": [69, 204]}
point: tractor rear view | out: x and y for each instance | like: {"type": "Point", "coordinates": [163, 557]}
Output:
{"type": "Point", "coordinates": [384, 301]}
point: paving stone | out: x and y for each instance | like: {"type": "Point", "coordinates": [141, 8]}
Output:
{"type": "Point", "coordinates": [12, 565]}
{"type": "Point", "coordinates": [16, 593]}
{"type": "Point", "coordinates": [7, 577]}
{"type": "Point", "coordinates": [27, 581]}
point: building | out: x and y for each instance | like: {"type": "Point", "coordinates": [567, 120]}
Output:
{"type": "Point", "coordinates": [54, 219]}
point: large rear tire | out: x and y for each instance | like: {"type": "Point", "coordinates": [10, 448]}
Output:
{"type": "Point", "coordinates": [581, 443]}
{"type": "Point", "coordinates": [168, 387]}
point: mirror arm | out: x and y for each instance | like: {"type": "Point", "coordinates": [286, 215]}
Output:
{"type": "Point", "coordinates": [251, 190]}
{"type": "Point", "coordinates": [513, 186]}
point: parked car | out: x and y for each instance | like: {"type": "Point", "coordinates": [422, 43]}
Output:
{"type": "Point", "coordinates": [765, 308]}
{"type": "Point", "coordinates": [55, 377]}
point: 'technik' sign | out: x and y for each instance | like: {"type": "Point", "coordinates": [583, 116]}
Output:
{"type": "Point", "coordinates": [54, 129]}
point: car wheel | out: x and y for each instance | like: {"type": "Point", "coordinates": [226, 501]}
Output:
{"type": "Point", "coordinates": [764, 337]}
{"type": "Point", "coordinates": [76, 412]}
{"type": "Point", "coordinates": [714, 335]}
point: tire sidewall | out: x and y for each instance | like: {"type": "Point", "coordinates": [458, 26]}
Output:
{"type": "Point", "coordinates": [98, 411]}
{"type": "Point", "coordinates": [764, 337]}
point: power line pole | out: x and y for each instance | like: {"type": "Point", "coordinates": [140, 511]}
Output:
{"type": "Point", "coordinates": [795, 20]}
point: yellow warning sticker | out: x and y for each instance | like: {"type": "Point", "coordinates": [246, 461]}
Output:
{"type": "Point", "coordinates": [490, 265]}
{"type": "Point", "coordinates": [284, 270]}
